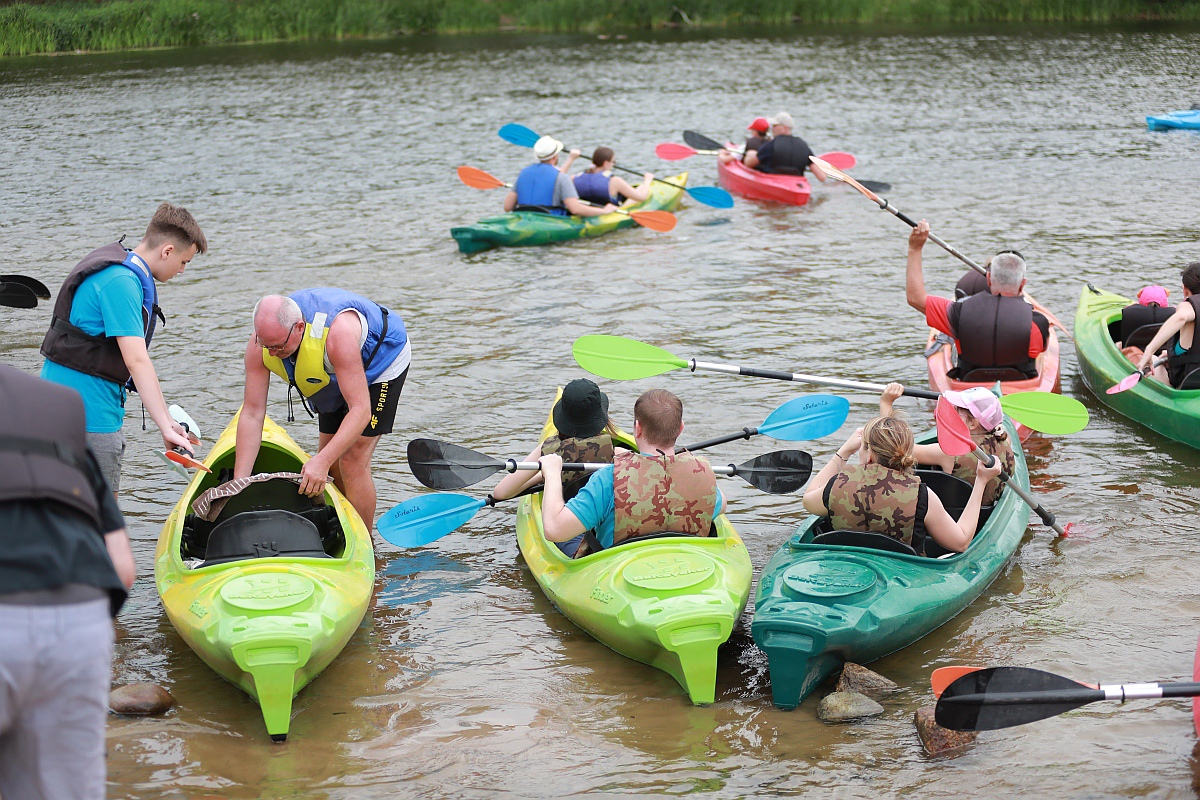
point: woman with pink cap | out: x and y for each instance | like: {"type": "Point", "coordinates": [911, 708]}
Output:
{"type": "Point", "coordinates": [984, 417]}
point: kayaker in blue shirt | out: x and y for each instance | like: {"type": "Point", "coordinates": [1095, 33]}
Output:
{"type": "Point", "coordinates": [598, 185]}
{"type": "Point", "coordinates": [653, 491]}
{"type": "Point", "coordinates": [785, 154]}
{"type": "Point", "coordinates": [104, 319]}
{"type": "Point", "coordinates": [544, 186]}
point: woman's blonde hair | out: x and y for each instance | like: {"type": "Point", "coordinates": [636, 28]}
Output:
{"type": "Point", "coordinates": [890, 441]}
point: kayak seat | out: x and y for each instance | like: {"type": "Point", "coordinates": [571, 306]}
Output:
{"type": "Point", "coordinates": [263, 534]}
{"type": "Point", "coordinates": [990, 375]}
{"type": "Point", "coordinates": [1191, 380]}
{"type": "Point", "coordinates": [954, 494]}
{"type": "Point", "coordinates": [875, 541]}
{"type": "Point", "coordinates": [1141, 336]}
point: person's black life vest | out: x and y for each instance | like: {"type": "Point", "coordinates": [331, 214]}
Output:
{"type": "Point", "coordinates": [42, 443]}
{"type": "Point", "coordinates": [993, 332]}
{"type": "Point", "coordinates": [70, 346]}
{"type": "Point", "coordinates": [789, 156]}
{"type": "Point", "coordinates": [971, 283]}
{"type": "Point", "coordinates": [1179, 367]}
{"type": "Point", "coordinates": [1138, 316]}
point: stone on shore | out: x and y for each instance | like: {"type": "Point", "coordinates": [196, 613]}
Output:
{"type": "Point", "coordinates": [857, 678]}
{"type": "Point", "coordinates": [936, 739]}
{"type": "Point", "coordinates": [140, 700]}
{"type": "Point", "coordinates": [845, 706]}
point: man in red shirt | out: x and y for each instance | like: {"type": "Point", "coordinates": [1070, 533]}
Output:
{"type": "Point", "coordinates": [992, 331]}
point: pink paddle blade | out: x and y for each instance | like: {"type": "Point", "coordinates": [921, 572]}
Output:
{"type": "Point", "coordinates": [953, 436]}
{"type": "Point", "coordinates": [839, 159]}
{"type": "Point", "coordinates": [1128, 382]}
{"type": "Point", "coordinates": [672, 151]}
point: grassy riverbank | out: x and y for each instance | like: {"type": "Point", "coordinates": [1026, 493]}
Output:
{"type": "Point", "coordinates": [27, 28]}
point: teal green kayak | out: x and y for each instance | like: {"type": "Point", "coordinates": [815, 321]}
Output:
{"type": "Point", "coordinates": [820, 604]}
{"type": "Point", "coordinates": [523, 228]}
{"type": "Point", "coordinates": [1171, 412]}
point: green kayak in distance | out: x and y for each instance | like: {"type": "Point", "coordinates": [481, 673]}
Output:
{"type": "Point", "coordinates": [1174, 413]}
{"type": "Point", "coordinates": [821, 604]}
{"type": "Point", "coordinates": [524, 228]}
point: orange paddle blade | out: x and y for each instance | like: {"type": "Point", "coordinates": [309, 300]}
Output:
{"type": "Point", "coordinates": [838, 175]}
{"type": "Point", "coordinates": [478, 179]}
{"type": "Point", "coordinates": [186, 461]}
{"type": "Point", "coordinates": [661, 221]}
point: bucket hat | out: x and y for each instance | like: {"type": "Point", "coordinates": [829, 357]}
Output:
{"type": "Point", "coordinates": [582, 411]}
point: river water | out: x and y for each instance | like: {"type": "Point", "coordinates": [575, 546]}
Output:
{"type": "Point", "coordinates": [332, 164]}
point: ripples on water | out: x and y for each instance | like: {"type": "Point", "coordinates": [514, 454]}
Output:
{"type": "Point", "coordinates": [332, 164]}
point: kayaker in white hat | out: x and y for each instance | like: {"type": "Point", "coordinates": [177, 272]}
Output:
{"type": "Point", "coordinates": [545, 187]}
{"type": "Point", "coordinates": [785, 153]}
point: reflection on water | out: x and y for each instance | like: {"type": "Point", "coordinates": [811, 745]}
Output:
{"type": "Point", "coordinates": [332, 164]}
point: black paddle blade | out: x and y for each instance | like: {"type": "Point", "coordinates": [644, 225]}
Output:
{"type": "Point", "coordinates": [876, 186]}
{"type": "Point", "coordinates": [39, 289]}
{"type": "Point", "coordinates": [700, 141]}
{"type": "Point", "coordinates": [780, 472]}
{"type": "Point", "coordinates": [14, 295]}
{"type": "Point", "coordinates": [442, 465]}
{"type": "Point", "coordinates": [1003, 697]}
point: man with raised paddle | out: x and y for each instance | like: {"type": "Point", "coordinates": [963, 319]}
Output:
{"type": "Point", "coordinates": [655, 490]}
{"type": "Point", "coordinates": [348, 357]}
{"type": "Point", "coordinates": [101, 329]}
{"type": "Point", "coordinates": [544, 186]}
{"type": "Point", "coordinates": [994, 330]}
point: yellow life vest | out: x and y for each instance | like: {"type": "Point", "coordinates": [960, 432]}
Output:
{"type": "Point", "coordinates": [310, 376]}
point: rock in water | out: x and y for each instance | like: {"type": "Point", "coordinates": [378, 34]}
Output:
{"type": "Point", "coordinates": [140, 699]}
{"type": "Point", "coordinates": [938, 740]}
{"type": "Point", "coordinates": [843, 706]}
{"type": "Point", "coordinates": [857, 678]}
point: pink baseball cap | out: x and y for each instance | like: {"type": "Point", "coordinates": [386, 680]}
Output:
{"type": "Point", "coordinates": [760, 124]}
{"type": "Point", "coordinates": [1153, 294]}
{"type": "Point", "coordinates": [982, 404]}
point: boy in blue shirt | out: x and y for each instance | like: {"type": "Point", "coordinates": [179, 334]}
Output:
{"type": "Point", "coordinates": [655, 490]}
{"type": "Point", "coordinates": [104, 319]}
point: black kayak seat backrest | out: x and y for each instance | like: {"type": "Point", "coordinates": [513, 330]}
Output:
{"type": "Point", "coordinates": [1191, 380]}
{"type": "Point", "coordinates": [954, 494]}
{"type": "Point", "coordinates": [1140, 337]}
{"type": "Point", "coordinates": [993, 374]}
{"type": "Point", "coordinates": [874, 541]}
{"type": "Point", "coordinates": [277, 494]}
{"type": "Point", "coordinates": [263, 534]}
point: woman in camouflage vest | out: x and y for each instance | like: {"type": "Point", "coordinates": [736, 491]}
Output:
{"type": "Point", "coordinates": [882, 494]}
{"type": "Point", "coordinates": [983, 415]}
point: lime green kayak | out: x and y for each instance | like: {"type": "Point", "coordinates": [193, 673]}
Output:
{"type": "Point", "coordinates": [825, 598]}
{"type": "Point", "coordinates": [269, 593]}
{"type": "Point", "coordinates": [1171, 412]}
{"type": "Point", "coordinates": [523, 228]}
{"type": "Point", "coordinates": [667, 602]}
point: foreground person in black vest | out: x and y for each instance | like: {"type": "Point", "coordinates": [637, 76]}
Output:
{"type": "Point", "coordinates": [996, 330]}
{"type": "Point", "coordinates": [1178, 335]}
{"type": "Point", "coordinates": [653, 491]}
{"type": "Point", "coordinates": [65, 567]}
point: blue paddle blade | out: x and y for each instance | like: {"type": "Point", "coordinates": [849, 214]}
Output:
{"type": "Point", "coordinates": [427, 518]}
{"type": "Point", "coordinates": [713, 196]}
{"type": "Point", "coordinates": [809, 416]}
{"type": "Point", "coordinates": [519, 135]}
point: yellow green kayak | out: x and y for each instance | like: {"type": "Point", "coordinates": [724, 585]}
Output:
{"type": "Point", "coordinates": [668, 602]}
{"type": "Point", "coordinates": [270, 592]}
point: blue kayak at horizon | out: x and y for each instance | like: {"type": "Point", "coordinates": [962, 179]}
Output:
{"type": "Point", "coordinates": [1188, 120]}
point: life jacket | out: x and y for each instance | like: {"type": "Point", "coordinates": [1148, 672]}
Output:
{"type": "Point", "coordinates": [878, 499]}
{"type": "Point", "coordinates": [993, 332]}
{"type": "Point", "coordinates": [754, 142]}
{"type": "Point", "coordinates": [68, 345]}
{"type": "Point", "coordinates": [1180, 366]}
{"type": "Point", "coordinates": [662, 494]}
{"type": "Point", "coordinates": [971, 283]}
{"type": "Point", "coordinates": [593, 187]}
{"type": "Point", "coordinates": [1138, 316]}
{"type": "Point", "coordinates": [306, 369]}
{"type": "Point", "coordinates": [596, 449]}
{"type": "Point", "coordinates": [42, 443]}
{"type": "Point", "coordinates": [535, 187]}
{"type": "Point", "coordinates": [964, 466]}
{"type": "Point", "coordinates": [789, 157]}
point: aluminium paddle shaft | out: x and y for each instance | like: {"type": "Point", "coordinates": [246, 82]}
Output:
{"type": "Point", "coordinates": [1046, 517]}
{"type": "Point", "coordinates": [1116, 691]}
{"type": "Point", "coordinates": [797, 377]}
{"type": "Point", "coordinates": [512, 465]}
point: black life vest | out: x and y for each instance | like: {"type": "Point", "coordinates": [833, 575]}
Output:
{"type": "Point", "coordinates": [1137, 316]}
{"type": "Point", "coordinates": [789, 156]}
{"type": "Point", "coordinates": [43, 442]}
{"type": "Point", "coordinates": [1180, 366]}
{"type": "Point", "coordinates": [993, 332]}
{"type": "Point", "coordinates": [971, 283]}
{"type": "Point", "coordinates": [70, 346]}
{"type": "Point", "coordinates": [754, 142]}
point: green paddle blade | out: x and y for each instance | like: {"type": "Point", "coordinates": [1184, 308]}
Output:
{"type": "Point", "coordinates": [622, 359]}
{"type": "Point", "coordinates": [1046, 412]}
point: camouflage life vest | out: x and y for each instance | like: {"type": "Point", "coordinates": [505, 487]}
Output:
{"type": "Point", "coordinates": [596, 449]}
{"type": "Point", "coordinates": [964, 466]}
{"type": "Point", "coordinates": [662, 494]}
{"type": "Point", "coordinates": [875, 498]}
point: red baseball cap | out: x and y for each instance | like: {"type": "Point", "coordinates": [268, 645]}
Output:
{"type": "Point", "coordinates": [760, 124]}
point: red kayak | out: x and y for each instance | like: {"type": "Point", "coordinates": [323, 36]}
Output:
{"type": "Point", "coordinates": [740, 179]}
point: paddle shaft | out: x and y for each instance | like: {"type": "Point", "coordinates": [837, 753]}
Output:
{"type": "Point", "coordinates": [656, 180]}
{"type": "Point", "coordinates": [744, 433]}
{"type": "Point", "coordinates": [733, 369]}
{"type": "Point", "coordinates": [513, 465]}
{"type": "Point", "coordinates": [1045, 515]}
{"type": "Point", "coordinates": [1121, 692]}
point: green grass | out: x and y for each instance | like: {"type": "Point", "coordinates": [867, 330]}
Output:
{"type": "Point", "coordinates": [124, 24]}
